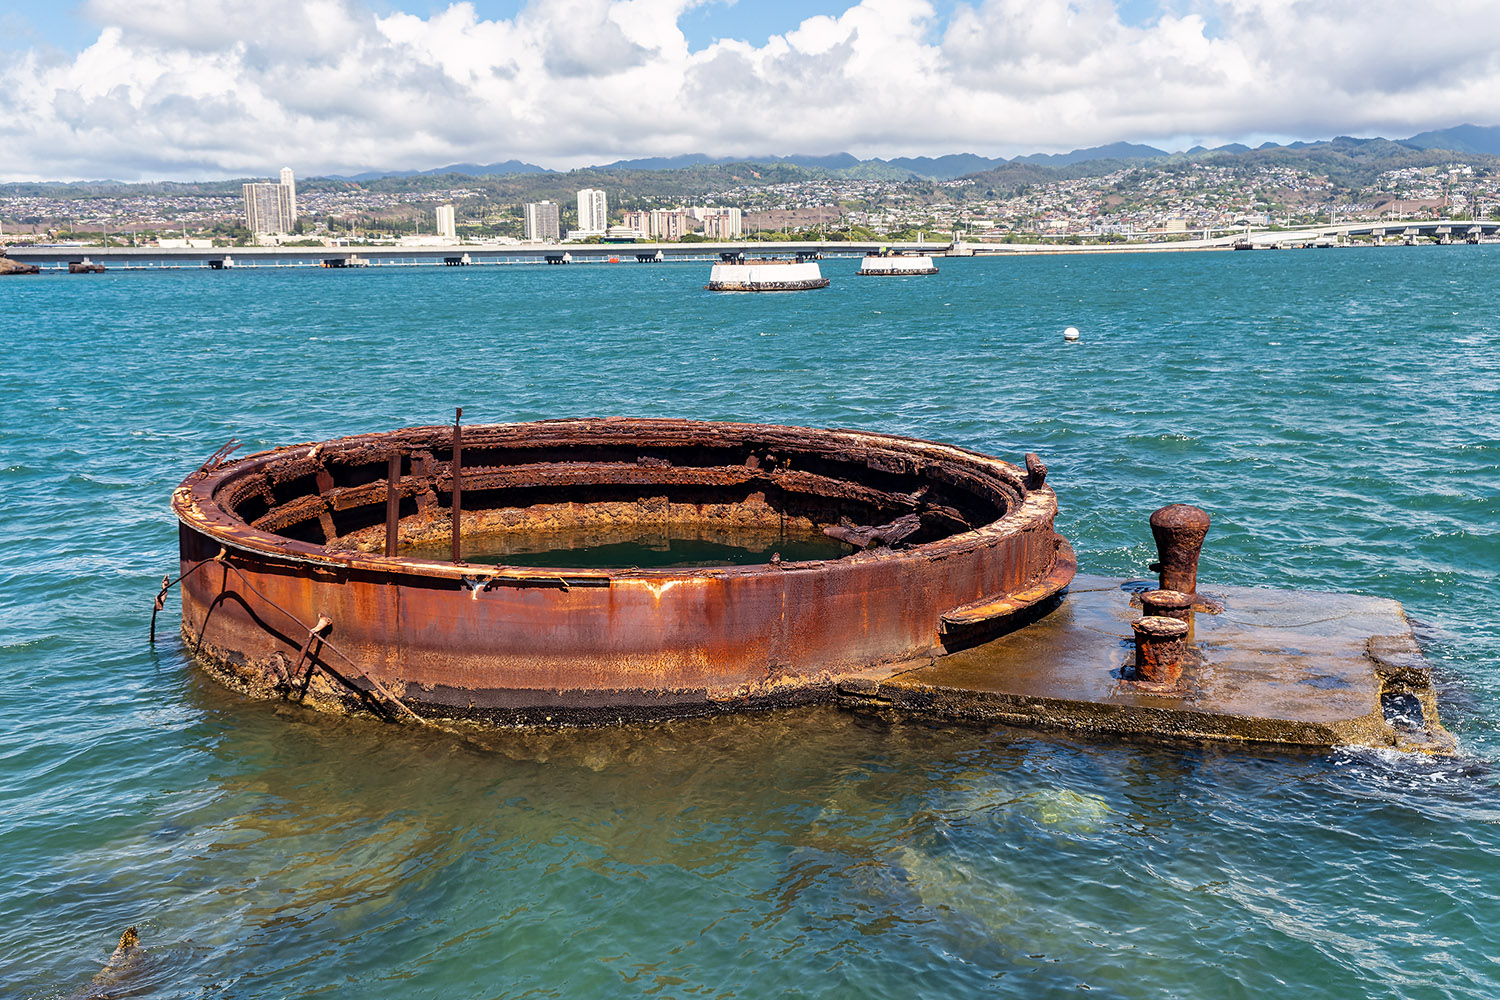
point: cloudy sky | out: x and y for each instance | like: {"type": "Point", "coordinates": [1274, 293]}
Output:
{"type": "Point", "coordinates": [139, 89]}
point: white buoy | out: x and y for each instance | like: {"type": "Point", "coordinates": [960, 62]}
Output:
{"type": "Point", "coordinates": [1071, 333]}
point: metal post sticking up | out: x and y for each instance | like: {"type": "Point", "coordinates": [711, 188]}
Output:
{"type": "Point", "coordinates": [458, 473]}
{"type": "Point", "coordinates": [393, 503]}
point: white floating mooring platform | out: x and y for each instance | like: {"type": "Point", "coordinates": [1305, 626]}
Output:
{"type": "Point", "coordinates": [895, 264]}
{"type": "Point", "coordinates": [766, 276]}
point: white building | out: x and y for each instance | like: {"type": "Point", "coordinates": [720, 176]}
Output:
{"type": "Point", "coordinates": [542, 225]}
{"type": "Point", "coordinates": [446, 224]}
{"type": "Point", "coordinates": [593, 212]}
{"type": "Point", "coordinates": [290, 183]}
{"type": "Point", "coordinates": [715, 222]}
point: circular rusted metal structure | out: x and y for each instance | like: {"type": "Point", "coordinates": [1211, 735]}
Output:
{"type": "Point", "coordinates": [321, 572]}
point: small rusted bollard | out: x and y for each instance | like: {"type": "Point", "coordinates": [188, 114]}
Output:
{"type": "Point", "coordinates": [1179, 530]}
{"type": "Point", "coordinates": [1159, 647]}
{"type": "Point", "coordinates": [1167, 604]}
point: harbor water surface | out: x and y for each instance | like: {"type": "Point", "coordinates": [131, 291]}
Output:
{"type": "Point", "coordinates": [1338, 413]}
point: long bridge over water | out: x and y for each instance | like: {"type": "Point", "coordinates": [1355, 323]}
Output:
{"type": "Point", "coordinates": [60, 257]}
{"type": "Point", "coordinates": [1382, 233]}
{"type": "Point", "coordinates": [1451, 230]}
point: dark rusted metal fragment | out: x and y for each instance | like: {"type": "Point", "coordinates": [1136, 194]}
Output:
{"type": "Point", "coordinates": [869, 537]}
{"type": "Point", "coordinates": [1036, 470]}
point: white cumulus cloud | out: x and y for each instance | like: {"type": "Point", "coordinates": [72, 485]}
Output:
{"type": "Point", "coordinates": [174, 88]}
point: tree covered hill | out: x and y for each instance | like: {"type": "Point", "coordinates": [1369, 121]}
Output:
{"type": "Point", "coordinates": [1345, 162]}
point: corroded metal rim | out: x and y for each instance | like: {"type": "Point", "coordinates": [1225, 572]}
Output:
{"type": "Point", "coordinates": [510, 643]}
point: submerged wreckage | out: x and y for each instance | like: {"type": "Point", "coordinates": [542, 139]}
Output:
{"type": "Point", "coordinates": [588, 571]}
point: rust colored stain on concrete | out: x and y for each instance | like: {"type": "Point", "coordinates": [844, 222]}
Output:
{"type": "Point", "coordinates": [958, 547]}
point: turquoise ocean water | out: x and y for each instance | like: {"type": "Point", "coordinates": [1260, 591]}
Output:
{"type": "Point", "coordinates": [1338, 413]}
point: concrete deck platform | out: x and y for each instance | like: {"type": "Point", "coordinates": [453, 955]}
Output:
{"type": "Point", "coordinates": [1291, 668]}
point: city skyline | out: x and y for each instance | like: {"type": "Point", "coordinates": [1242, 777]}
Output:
{"type": "Point", "coordinates": [1109, 200]}
{"type": "Point", "coordinates": [148, 90]}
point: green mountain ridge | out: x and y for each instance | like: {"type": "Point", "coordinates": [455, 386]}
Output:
{"type": "Point", "coordinates": [1346, 162]}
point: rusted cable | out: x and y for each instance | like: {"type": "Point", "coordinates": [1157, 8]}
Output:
{"type": "Point", "coordinates": [168, 583]}
{"type": "Point", "coordinates": [159, 603]}
{"type": "Point", "coordinates": [1320, 621]}
{"type": "Point", "coordinates": [1112, 635]}
{"type": "Point", "coordinates": [217, 458]}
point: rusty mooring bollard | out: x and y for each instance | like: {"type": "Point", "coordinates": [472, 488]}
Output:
{"type": "Point", "coordinates": [1167, 604]}
{"type": "Point", "coordinates": [1179, 530]}
{"type": "Point", "coordinates": [1159, 647]}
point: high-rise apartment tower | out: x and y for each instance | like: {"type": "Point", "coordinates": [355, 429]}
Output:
{"type": "Point", "coordinates": [267, 209]}
{"type": "Point", "coordinates": [271, 208]}
{"type": "Point", "coordinates": [593, 212]}
{"type": "Point", "coordinates": [542, 225]}
{"type": "Point", "coordinates": [290, 183]}
{"type": "Point", "coordinates": [446, 224]}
